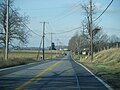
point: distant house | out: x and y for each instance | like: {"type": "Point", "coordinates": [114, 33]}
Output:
{"type": "Point", "coordinates": [85, 51]}
{"type": "Point", "coordinates": [65, 49]}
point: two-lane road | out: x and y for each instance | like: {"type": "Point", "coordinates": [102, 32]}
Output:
{"type": "Point", "coordinates": [59, 74]}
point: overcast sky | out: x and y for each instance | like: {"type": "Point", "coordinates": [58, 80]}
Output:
{"type": "Point", "coordinates": [65, 15]}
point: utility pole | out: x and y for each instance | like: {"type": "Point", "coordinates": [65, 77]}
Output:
{"type": "Point", "coordinates": [39, 49]}
{"type": "Point", "coordinates": [57, 43]}
{"type": "Point", "coordinates": [7, 29]}
{"type": "Point", "coordinates": [43, 38]}
{"type": "Point", "coordinates": [51, 45]}
{"type": "Point", "coordinates": [91, 34]}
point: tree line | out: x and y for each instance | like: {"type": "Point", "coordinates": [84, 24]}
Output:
{"type": "Point", "coordinates": [101, 41]}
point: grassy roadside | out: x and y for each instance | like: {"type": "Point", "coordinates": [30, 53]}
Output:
{"type": "Point", "coordinates": [106, 65]}
{"type": "Point", "coordinates": [20, 57]}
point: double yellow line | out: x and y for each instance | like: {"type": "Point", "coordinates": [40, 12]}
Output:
{"type": "Point", "coordinates": [37, 76]}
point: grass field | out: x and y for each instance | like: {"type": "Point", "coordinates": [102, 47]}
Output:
{"type": "Point", "coordinates": [19, 57]}
{"type": "Point", "coordinates": [106, 65]}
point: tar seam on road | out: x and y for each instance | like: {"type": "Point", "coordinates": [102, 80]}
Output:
{"type": "Point", "coordinates": [100, 80]}
{"type": "Point", "coordinates": [78, 84]}
{"type": "Point", "coordinates": [37, 76]}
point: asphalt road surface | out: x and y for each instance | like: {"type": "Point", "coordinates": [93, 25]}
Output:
{"type": "Point", "coordinates": [59, 74]}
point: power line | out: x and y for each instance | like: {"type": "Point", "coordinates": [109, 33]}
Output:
{"type": "Point", "coordinates": [66, 14]}
{"type": "Point", "coordinates": [68, 31]}
{"type": "Point", "coordinates": [104, 10]}
{"type": "Point", "coordinates": [47, 40]}
{"type": "Point", "coordinates": [25, 24]}
{"type": "Point", "coordinates": [62, 30]}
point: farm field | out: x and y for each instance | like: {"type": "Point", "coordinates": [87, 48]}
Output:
{"type": "Point", "coordinates": [20, 57]}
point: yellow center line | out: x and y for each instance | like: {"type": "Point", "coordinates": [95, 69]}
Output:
{"type": "Point", "coordinates": [38, 79]}
{"type": "Point", "coordinates": [37, 76]}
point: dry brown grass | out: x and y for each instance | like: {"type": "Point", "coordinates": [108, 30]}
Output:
{"type": "Point", "coordinates": [18, 57]}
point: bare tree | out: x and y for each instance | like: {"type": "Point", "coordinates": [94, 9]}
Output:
{"type": "Point", "coordinates": [100, 40]}
{"type": "Point", "coordinates": [86, 21]}
{"type": "Point", "coordinates": [16, 28]}
{"type": "Point", "coordinates": [72, 44]}
{"type": "Point", "coordinates": [114, 41]}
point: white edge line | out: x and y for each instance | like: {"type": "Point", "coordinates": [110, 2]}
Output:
{"type": "Point", "coordinates": [106, 85]}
